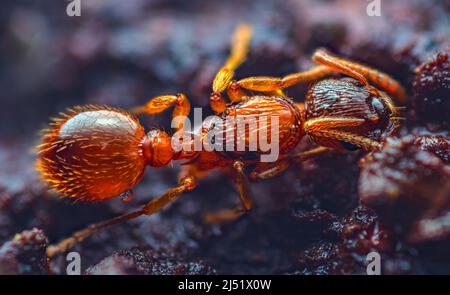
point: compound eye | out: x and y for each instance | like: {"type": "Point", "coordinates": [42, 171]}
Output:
{"type": "Point", "coordinates": [377, 104]}
{"type": "Point", "coordinates": [379, 107]}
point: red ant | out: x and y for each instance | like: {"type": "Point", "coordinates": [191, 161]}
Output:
{"type": "Point", "coordinates": [94, 153]}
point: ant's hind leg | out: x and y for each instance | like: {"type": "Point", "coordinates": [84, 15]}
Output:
{"type": "Point", "coordinates": [186, 184]}
{"type": "Point", "coordinates": [161, 103]}
{"type": "Point", "coordinates": [243, 187]}
{"type": "Point", "coordinates": [361, 73]}
{"type": "Point", "coordinates": [223, 78]}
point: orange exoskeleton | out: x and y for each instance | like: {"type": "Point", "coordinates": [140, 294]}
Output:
{"type": "Point", "coordinates": [94, 153]}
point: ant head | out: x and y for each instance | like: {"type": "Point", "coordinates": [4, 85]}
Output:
{"type": "Point", "coordinates": [347, 98]}
{"type": "Point", "coordinates": [92, 153]}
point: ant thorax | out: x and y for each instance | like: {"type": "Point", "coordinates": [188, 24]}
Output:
{"type": "Point", "coordinates": [260, 128]}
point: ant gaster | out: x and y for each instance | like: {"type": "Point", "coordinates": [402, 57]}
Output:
{"type": "Point", "coordinates": [94, 153]}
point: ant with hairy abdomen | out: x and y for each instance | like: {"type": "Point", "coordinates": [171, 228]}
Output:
{"type": "Point", "coordinates": [94, 153]}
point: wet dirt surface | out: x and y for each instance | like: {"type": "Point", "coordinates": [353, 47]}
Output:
{"type": "Point", "coordinates": [322, 216]}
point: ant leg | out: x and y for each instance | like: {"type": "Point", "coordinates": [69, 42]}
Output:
{"type": "Point", "coordinates": [243, 187]}
{"type": "Point", "coordinates": [161, 103]}
{"type": "Point", "coordinates": [155, 205]}
{"type": "Point", "coordinates": [326, 127]}
{"type": "Point", "coordinates": [239, 49]}
{"type": "Point", "coordinates": [309, 153]}
{"type": "Point", "coordinates": [275, 84]}
{"type": "Point", "coordinates": [224, 76]}
{"type": "Point", "coordinates": [235, 92]}
{"type": "Point", "coordinates": [226, 215]}
{"type": "Point", "coordinates": [269, 170]}
{"type": "Point", "coordinates": [300, 106]}
{"type": "Point", "coordinates": [361, 73]}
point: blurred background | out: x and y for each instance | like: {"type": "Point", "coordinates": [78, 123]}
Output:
{"type": "Point", "coordinates": [121, 53]}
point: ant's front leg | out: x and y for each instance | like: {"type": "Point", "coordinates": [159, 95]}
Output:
{"type": "Point", "coordinates": [243, 187]}
{"type": "Point", "coordinates": [361, 73]}
{"type": "Point", "coordinates": [223, 78]}
{"type": "Point", "coordinates": [186, 184]}
{"type": "Point", "coordinates": [329, 128]}
{"type": "Point", "coordinates": [158, 104]}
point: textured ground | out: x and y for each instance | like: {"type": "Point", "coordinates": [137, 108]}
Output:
{"type": "Point", "coordinates": [320, 217]}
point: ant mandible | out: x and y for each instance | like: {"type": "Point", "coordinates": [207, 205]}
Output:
{"type": "Point", "coordinates": [94, 153]}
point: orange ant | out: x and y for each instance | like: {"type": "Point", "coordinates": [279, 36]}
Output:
{"type": "Point", "coordinates": [94, 153]}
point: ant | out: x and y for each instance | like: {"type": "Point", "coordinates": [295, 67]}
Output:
{"type": "Point", "coordinates": [94, 153]}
